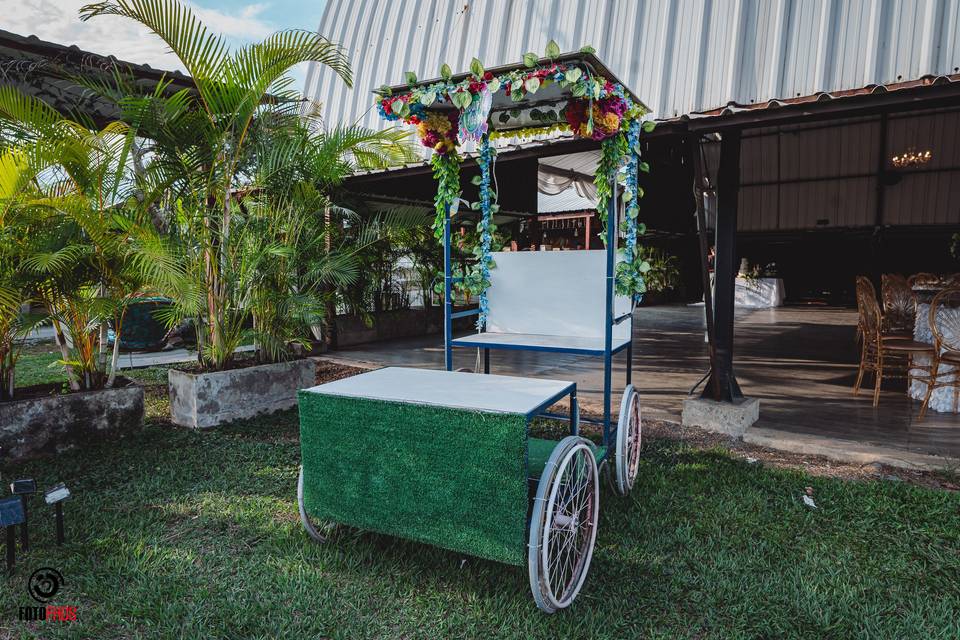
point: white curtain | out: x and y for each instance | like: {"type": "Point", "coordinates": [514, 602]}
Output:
{"type": "Point", "coordinates": [552, 184]}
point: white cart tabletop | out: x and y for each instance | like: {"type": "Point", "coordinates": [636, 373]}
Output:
{"type": "Point", "coordinates": [478, 392]}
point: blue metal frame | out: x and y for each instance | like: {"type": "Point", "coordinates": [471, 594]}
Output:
{"type": "Point", "coordinates": [608, 351]}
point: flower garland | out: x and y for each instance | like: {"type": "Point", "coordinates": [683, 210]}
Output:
{"type": "Point", "coordinates": [485, 227]}
{"type": "Point", "coordinates": [630, 278]}
{"type": "Point", "coordinates": [598, 109]}
{"type": "Point", "coordinates": [439, 132]}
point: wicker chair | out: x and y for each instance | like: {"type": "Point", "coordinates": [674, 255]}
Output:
{"type": "Point", "coordinates": [946, 344]}
{"type": "Point", "coordinates": [899, 306]}
{"type": "Point", "coordinates": [923, 279]}
{"type": "Point", "coordinates": [889, 357]}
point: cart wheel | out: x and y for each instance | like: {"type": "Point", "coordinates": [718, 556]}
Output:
{"type": "Point", "coordinates": [317, 533]}
{"type": "Point", "coordinates": [627, 453]}
{"type": "Point", "coordinates": [563, 525]}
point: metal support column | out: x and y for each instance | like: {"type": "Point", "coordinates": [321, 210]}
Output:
{"type": "Point", "coordinates": [722, 385]}
{"type": "Point", "coordinates": [447, 298]}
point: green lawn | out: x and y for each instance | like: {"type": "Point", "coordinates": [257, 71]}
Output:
{"type": "Point", "coordinates": [179, 534]}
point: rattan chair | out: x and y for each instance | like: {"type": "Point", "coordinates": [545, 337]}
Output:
{"type": "Point", "coordinates": [899, 306]}
{"type": "Point", "coordinates": [945, 326]}
{"type": "Point", "coordinates": [919, 280]}
{"type": "Point", "coordinates": [885, 357]}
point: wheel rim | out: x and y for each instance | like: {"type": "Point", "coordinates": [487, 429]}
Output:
{"type": "Point", "coordinates": [628, 441]}
{"type": "Point", "coordinates": [570, 529]}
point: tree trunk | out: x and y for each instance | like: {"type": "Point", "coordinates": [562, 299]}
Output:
{"type": "Point", "coordinates": [65, 355]}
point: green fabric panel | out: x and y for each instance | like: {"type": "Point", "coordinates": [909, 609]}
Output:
{"type": "Point", "coordinates": [540, 450]}
{"type": "Point", "coordinates": [448, 477]}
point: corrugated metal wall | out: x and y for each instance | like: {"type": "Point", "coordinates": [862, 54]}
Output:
{"type": "Point", "coordinates": [824, 176]}
{"type": "Point", "coordinates": [679, 56]}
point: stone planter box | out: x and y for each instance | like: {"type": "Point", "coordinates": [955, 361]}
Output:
{"type": "Point", "coordinates": [203, 400]}
{"type": "Point", "coordinates": [58, 422]}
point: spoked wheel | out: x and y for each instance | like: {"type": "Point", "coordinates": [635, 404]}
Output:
{"type": "Point", "coordinates": [318, 532]}
{"type": "Point", "coordinates": [627, 454]}
{"type": "Point", "coordinates": [563, 525]}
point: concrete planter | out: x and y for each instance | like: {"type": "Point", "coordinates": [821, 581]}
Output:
{"type": "Point", "coordinates": [58, 422]}
{"type": "Point", "coordinates": [203, 400]}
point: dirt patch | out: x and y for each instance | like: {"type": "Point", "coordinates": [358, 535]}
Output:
{"type": "Point", "coordinates": [59, 389]}
{"type": "Point", "coordinates": [328, 371]}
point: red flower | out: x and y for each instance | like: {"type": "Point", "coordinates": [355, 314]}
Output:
{"type": "Point", "coordinates": [488, 76]}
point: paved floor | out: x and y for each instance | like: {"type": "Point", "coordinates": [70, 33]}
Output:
{"type": "Point", "coordinates": [799, 361]}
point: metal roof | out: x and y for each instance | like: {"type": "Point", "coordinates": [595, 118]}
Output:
{"type": "Point", "coordinates": [43, 69]}
{"type": "Point", "coordinates": [680, 56]}
{"type": "Point", "coordinates": [581, 59]}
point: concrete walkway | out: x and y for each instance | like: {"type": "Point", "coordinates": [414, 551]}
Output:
{"type": "Point", "coordinates": [135, 359]}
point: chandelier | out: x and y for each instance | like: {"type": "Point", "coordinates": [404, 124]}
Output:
{"type": "Point", "coordinates": [911, 158]}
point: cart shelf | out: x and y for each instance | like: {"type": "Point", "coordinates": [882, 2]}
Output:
{"type": "Point", "coordinates": [583, 345]}
{"type": "Point", "coordinates": [451, 389]}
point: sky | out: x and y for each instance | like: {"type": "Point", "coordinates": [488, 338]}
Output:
{"type": "Point", "coordinates": [239, 21]}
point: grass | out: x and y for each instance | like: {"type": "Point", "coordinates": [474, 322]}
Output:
{"type": "Point", "coordinates": [182, 534]}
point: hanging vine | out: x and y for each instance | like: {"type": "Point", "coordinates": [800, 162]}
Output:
{"type": "Point", "coordinates": [446, 171]}
{"type": "Point", "coordinates": [485, 227]}
{"type": "Point", "coordinates": [631, 279]}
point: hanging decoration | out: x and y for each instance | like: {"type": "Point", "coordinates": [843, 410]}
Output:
{"type": "Point", "coordinates": [446, 113]}
{"type": "Point", "coordinates": [630, 276]}
{"type": "Point", "coordinates": [446, 171]}
{"type": "Point", "coordinates": [473, 122]}
{"type": "Point", "coordinates": [485, 228]}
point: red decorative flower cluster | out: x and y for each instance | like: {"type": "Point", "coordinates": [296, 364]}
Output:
{"type": "Point", "coordinates": [439, 132]}
{"type": "Point", "coordinates": [607, 116]}
{"type": "Point", "coordinates": [541, 74]}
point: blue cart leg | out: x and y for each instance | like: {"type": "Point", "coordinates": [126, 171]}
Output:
{"type": "Point", "coordinates": [447, 298]}
{"type": "Point", "coordinates": [574, 414]}
{"type": "Point", "coordinates": [630, 361]}
{"type": "Point", "coordinates": [608, 333]}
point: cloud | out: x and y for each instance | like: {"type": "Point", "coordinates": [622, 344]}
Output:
{"type": "Point", "coordinates": [244, 25]}
{"type": "Point", "coordinates": [58, 21]}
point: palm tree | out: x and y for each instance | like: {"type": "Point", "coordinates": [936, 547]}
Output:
{"type": "Point", "coordinates": [65, 194]}
{"type": "Point", "coordinates": [241, 178]}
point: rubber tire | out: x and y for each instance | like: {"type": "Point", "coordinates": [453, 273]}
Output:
{"type": "Point", "coordinates": [538, 520]}
{"type": "Point", "coordinates": [622, 481]}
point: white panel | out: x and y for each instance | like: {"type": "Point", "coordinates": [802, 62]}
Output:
{"type": "Point", "coordinates": [560, 293]}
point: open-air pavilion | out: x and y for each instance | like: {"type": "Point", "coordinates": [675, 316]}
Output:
{"type": "Point", "coordinates": [808, 184]}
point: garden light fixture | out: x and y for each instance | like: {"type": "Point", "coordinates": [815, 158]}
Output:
{"type": "Point", "coordinates": [11, 514]}
{"type": "Point", "coordinates": [23, 488]}
{"type": "Point", "coordinates": [55, 495]}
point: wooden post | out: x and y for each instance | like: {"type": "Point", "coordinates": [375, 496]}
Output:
{"type": "Point", "coordinates": [722, 385]}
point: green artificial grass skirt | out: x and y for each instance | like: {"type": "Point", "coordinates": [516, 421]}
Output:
{"type": "Point", "coordinates": [452, 478]}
